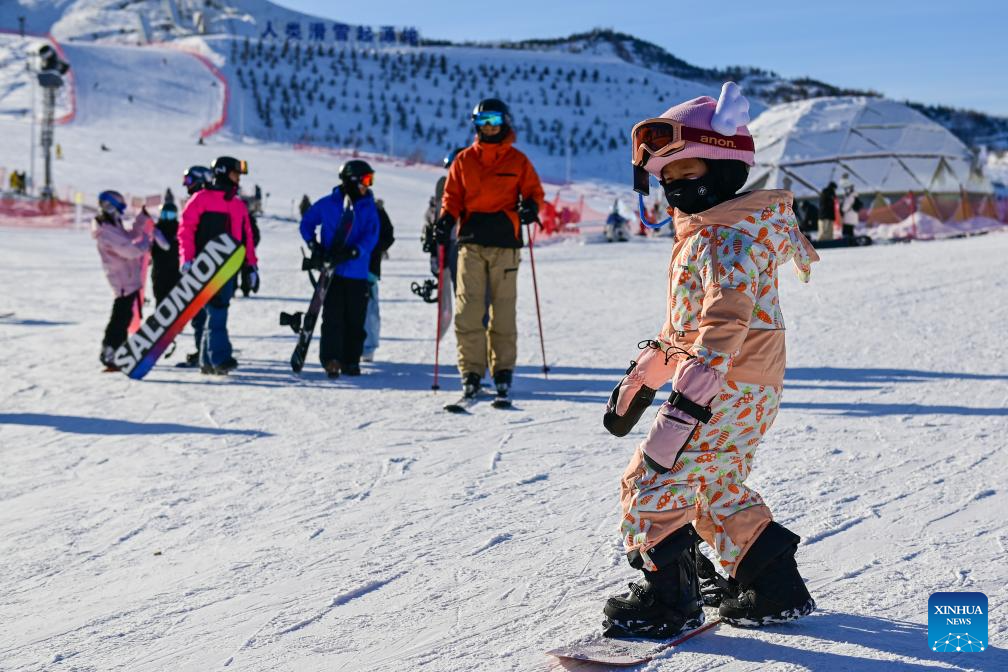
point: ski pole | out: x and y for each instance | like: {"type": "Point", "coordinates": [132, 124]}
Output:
{"type": "Point", "coordinates": [535, 290]}
{"type": "Point", "coordinates": [437, 335]}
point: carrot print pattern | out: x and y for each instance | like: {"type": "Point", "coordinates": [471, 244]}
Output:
{"type": "Point", "coordinates": [707, 480]}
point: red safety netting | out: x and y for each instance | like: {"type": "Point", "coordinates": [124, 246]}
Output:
{"type": "Point", "coordinates": [24, 212]}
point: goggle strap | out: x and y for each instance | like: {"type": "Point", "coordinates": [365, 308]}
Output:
{"type": "Point", "coordinates": [640, 212]}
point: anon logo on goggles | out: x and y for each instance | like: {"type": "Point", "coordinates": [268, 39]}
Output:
{"type": "Point", "coordinates": [488, 118]}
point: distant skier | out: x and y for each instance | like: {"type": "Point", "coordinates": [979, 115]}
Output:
{"type": "Point", "coordinates": [194, 179]}
{"type": "Point", "coordinates": [616, 228]}
{"type": "Point", "coordinates": [433, 214]}
{"type": "Point", "coordinates": [349, 224]}
{"type": "Point", "coordinates": [122, 254]}
{"type": "Point", "coordinates": [372, 321]}
{"type": "Point", "coordinates": [827, 211]}
{"type": "Point", "coordinates": [491, 191]}
{"type": "Point", "coordinates": [722, 346]}
{"type": "Point", "coordinates": [850, 206]}
{"type": "Point", "coordinates": [209, 213]}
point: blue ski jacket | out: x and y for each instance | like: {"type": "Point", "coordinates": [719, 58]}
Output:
{"type": "Point", "coordinates": [357, 226]}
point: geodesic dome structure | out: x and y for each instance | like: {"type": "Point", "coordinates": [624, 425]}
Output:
{"type": "Point", "coordinates": [885, 147]}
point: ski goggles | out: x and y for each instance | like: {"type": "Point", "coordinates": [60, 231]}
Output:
{"type": "Point", "coordinates": [662, 138]}
{"type": "Point", "coordinates": [169, 215]}
{"type": "Point", "coordinates": [242, 167]}
{"type": "Point", "coordinates": [488, 119]}
{"type": "Point", "coordinates": [367, 180]}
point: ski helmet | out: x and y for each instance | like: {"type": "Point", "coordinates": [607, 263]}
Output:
{"type": "Point", "coordinates": [490, 110]}
{"type": "Point", "coordinates": [223, 165]}
{"type": "Point", "coordinates": [356, 171]}
{"type": "Point", "coordinates": [112, 201]}
{"type": "Point", "coordinates": [196, 178]}
{"type": "Point", "coordinates": [450, 156]}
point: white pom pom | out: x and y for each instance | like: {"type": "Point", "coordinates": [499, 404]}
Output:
{"type": "Point", "coordinates": [732, 110]}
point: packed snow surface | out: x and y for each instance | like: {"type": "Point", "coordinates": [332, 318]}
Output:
{"type": "Point", "coordinates": [267, 521]}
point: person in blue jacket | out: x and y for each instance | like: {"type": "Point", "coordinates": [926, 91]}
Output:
{"type": "Point", "coordinates": [349, 225]}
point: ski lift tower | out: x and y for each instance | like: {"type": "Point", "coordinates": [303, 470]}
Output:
{"type": "Point", "coordinates": [50, 78]}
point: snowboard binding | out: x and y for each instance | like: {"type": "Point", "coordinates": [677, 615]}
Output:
{"type": "Point", "coordinates": [292, 320]}
{"type": "Point", "coordinates": [427, 291]}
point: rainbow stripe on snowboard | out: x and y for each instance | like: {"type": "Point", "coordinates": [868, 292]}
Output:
{"type": "Point", "coordinates": [214, 266]}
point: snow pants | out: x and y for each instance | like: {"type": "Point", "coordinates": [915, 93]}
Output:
{"type": "Point", "coordinates": [486, 272]}
{"type": "Point", "coordinates": [372, 321]}
{"type": "Point", "coordinates": [343, 315]}
{"type": "Point", "coordinates": [117, 328]}
{"type": "Point", "coordinates": [215, 345]}
{"type": "Point", "coordinates": [706, 485]}
{"type": "Point", "coordinates": [825, 229]}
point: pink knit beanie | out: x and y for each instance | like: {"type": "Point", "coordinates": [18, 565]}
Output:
{"type": "Point", "coordinates": [718, 129]}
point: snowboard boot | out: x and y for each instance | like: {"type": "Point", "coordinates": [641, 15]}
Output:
{"type": "Point", "coordinates": [665, 602]}
{"type": "Point", "coordinates": [107, 358]}
{"type": "Point", "coordinates": [332, 368]}
{"type": "Point", "coordinates": [713, 587]}
{"type": "Point", "coordinates": [471, 385]}
{"type": "Point", "coordinates": [229, 364]}
{"type": "Point", "coordinates": [770, 588]}
{"type": "Point", "coordinates": [192, 359]}
{"type": "Point", "coordinates": [352, 369]}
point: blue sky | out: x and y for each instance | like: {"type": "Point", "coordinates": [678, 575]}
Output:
{"type": "Point", "coordinates": [928, 51]}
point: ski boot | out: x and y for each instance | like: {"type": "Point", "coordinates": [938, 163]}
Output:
{"type": "Point", "coordinates": [665, 602]}
{"type": "Point", "coordinates": [332, 368]}
{"type": "Point", "coordinates": [192, 360]}
{"type": "Point", "coordinates": [502, 381]}
{"type": "Point", "coordinates": [352, 369]}
{"type": "Point", "coordinates": [770, 588]}
{"type": "Point", "coordinates": [229, 364]}
{"type": "Point", "coordinates": [471, 384]}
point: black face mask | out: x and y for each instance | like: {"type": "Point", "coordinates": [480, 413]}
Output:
{"type": "Point", "coordinates": [720, 183]}
{"type": "Point", "coordinates": [692, 196]}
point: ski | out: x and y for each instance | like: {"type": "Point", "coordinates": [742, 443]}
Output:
{"type": "Point", "coordinates": [623, 652]}
{"type": "Point", "coordinates": [462, 405]}
{"type": "Point", "coordinates": [303, 324]}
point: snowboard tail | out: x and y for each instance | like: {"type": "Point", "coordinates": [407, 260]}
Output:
{"type": "Point", "coordinates": [303, 324]}
{"type": "Point", "coordinates": [623, 652]}
{"type": "Point", "coordinates": [212, 268]}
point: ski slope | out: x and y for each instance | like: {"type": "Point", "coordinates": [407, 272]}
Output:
{"type": "Point", "coordinates": [274, 522]}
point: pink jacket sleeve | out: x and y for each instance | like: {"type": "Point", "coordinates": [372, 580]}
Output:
{"type": "Point", "coordinates": [124, 243]}
{"type": "Point", "coordinates": [191, 214]}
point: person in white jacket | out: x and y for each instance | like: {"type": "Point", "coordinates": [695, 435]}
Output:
{"type": "Point", "coordinates": [848, 209]}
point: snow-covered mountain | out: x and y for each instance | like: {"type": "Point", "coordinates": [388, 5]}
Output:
{"type": "Point", "coordinates": [574, 98]}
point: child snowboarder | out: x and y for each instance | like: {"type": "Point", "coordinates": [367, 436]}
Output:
{"type": "Point", "coordinates": [122, 254]}
{"type": "Point", "coordinates": [722, 345]}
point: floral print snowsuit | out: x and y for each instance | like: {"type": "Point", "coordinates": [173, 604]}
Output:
{"type": "Point", "coordinates": [723, 308]}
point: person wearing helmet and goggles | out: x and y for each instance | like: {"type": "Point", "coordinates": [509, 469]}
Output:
{"type": "Point", "coordinates": [722, 346]}
{"type": "Point", "coordinates": [123, 252]}
{"type": "Point", "coordinates": [348, 228]}
{"type": "Point", "coordinates": [486, 220]}
{"type": "Point", "coordinates": [207, 214]}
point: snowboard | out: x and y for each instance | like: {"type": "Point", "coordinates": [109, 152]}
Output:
{"type": "Point", "coordinates": [856, 241]}
{"type": "Point", "coordinates": [623, 652]}
{"type": "Point", "coordinates": [217, 263]}
{"type": "Point", "coordinates": [303, 324]}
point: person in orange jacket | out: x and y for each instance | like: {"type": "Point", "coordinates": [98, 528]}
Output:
{"type": "Point", "coordinates": [491, 191]}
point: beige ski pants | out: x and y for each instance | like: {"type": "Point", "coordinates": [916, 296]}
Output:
{"type": "Point", "coordinates": [486, 273]}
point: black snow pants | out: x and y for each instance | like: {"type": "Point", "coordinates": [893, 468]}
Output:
{"type": "Point", "coordinates": [343, 316]}
{"type": "Point", "coordinates": [119, 321]}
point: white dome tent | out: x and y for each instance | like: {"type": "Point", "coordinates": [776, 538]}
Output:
{"type": "Point", "coordinates": [885, 147]}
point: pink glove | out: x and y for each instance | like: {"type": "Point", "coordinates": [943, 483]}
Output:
{"type": "Point", "coordinates": [636, 390]}
{"type": "Point", "coordinates": [695, 385]}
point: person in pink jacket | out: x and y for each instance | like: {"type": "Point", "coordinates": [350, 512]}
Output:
{"type": "Point", "coordinates": [209, 213]}
{"type": "Point", "coordinates": [722, 346]}
{"type": "Point", "coordinates": [122, 254]}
